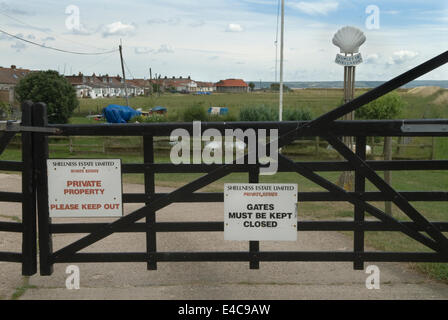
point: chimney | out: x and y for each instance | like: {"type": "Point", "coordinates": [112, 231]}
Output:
{"type": "Point", "coordinates": [13, 67]}
{"type": "Point", "coordinates": [80, 74]}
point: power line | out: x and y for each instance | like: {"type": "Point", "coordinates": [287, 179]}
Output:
{"type": "Point", "coordinates": [103, 59]}
{"type": "Point", "coordinates": [56, 49]}
{"type": "Point", "coordinates": [48, 33]}
{"type": "Point", "coordinates": [127, 68]}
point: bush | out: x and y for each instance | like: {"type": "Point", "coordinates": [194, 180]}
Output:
{"type": "Point", "coordinates": [260, 113]}
{"type": "Point", "coordinates": [263, 113]}
{"type": "Point", "coordinates": [219, 118]}
{"type": "Point", "coordinates": [195, 113]}
{"type": "Point", "coordinates": [5, 110]}
{"type": "Point", "coordinates": [297, 115]}
{"type": "Point", "coordinates": [150, 119]}
{"type": "Point", "coordinates": [52, 89]}
{"type": "Point", "coordinates": [389, 106]}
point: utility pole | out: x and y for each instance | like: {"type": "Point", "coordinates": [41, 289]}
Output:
{"type": "Point", "coordinates": [151, 87]}
{"type": "Point", "coordinates": [124, 75]}
{"type": "Point", "coordinates": [282, 42]}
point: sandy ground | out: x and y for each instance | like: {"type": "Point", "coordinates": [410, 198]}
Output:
{"type": "Point", "coordinates": [301, 280]}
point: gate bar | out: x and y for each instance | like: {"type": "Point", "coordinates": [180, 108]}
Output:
{"type": "Point", "coordinates": [29, 235]}
{"type": "Point", "coordinates": [267, 256]}
{"type": "Point", "coordinates": [254, 246]}
{"type": "Point", "coordinates": [167, 227]}
{"type": "Point", "coordinates": [360, 188]}
{"type": "Point", "coordinates": [151, 235]}
{"type": "Point", "coordinates": [399, 200]}
{"type": "Point", "coordinates": [354, 199]}
{"type": "Point", "coordinates": [40, 157]}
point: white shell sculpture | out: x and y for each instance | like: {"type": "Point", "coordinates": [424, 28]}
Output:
{"type": "Point", "coordinates": [349, 39]}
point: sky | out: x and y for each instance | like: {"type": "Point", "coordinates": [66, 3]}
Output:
{"type": "Point", "coordinates": [216, 39]}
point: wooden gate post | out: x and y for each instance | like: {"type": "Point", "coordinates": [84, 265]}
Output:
{"type": "Point", "coordinates": [40, 157]}
{"type": "Point", "coordinates": [29, 245]}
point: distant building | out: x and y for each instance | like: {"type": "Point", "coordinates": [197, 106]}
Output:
{"type": "Point", "coordinates": [206, 86]}
{"type": "Point", "coordinates": [179, 84]}
{"type": "Point", "coordinates": [106, 86]}
{"type": "Point", "coordinates": [232, 86]}
{"type": "Point", "coordinates": [9, 78]}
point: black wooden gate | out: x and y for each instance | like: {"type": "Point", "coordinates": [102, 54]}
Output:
{"type": "Point", "coordinates": [428, 233]}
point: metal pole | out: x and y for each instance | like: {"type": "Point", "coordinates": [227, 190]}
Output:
{"type": "Point", "coordinates": [124, 75]}
{"type": "Point", "coordinates": [282, 40]}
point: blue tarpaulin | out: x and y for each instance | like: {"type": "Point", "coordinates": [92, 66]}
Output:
{"type": "Point", "coordinates": [159, 109]}
{"type": "Point", "coordinates": [119, 114]}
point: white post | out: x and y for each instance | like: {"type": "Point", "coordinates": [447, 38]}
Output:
{"type": "Point", "coordinates": [281, 61]}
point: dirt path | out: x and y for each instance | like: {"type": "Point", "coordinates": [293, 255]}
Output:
{"type": "Point", "coordinates": [290, 280]}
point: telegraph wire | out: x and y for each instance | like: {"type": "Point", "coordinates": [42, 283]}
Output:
{"type": "Point", "coordinates": [48, 33]}
{"type": "Point", "coordinates": [56, 49]}
{"type": "Point", "coordinates": [127, 68]}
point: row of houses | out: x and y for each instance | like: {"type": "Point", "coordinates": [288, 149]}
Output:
{"type": "Point", "coordinates": [113, 86]}
{"type": "Point", "coordinates": [100, 86]}
{"type": "Point", "coordinates": [106, 86]}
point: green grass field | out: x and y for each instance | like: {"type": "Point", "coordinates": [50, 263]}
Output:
{"type": "Point", "coordinates": [319, 102]}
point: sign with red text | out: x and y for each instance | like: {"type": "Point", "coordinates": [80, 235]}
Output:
{"type": "Point", "coordinates": [84, 188]}
{"type": "Point", "coordinates": [256, 212]}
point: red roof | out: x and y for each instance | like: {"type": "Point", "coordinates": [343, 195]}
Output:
{"type": "Point", "coordinates": [232, 83]}
{"type": "Point", "coordinates": [12, 75]}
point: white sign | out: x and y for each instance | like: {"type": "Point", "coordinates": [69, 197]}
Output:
{"type": "Point", "coordinates": [84, 188]}
{"type": "Point", "coordinates": [260, 212]}
{"type": "Point", "coordinates": [349, 61]}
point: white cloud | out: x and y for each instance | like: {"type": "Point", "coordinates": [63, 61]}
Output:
{"type": "Point", "coordinates": [315, 8]}
{"type": "Point", "coordinates": [233, 27]}
{"type": "Point", "coordinates": [402, 56]}
{"type": "Point", "coordinates": [19, 46]}
{"type": "Point", "coordinates": [372, 58]}
{"type": "Point", "coordinates": [118, 29]}
{"type": "Point", "coordinates": [82, 30]}
{"type": "Point", "coordinates": [142, 50]}
{"type": "Point", "coordinates": [164, 48]}
{"type": "Point", "coordinates": [170, 21]}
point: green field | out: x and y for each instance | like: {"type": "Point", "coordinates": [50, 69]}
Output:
{"type": "Point", "coordinates": [318, 102]}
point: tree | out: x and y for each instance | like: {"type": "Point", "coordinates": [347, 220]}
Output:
{"type": "Point", "coordinates": [276, 87]}
{"type": "Point", "coordinates": [386, 107]}
{"type": "Point", "coordinates": [252, 86]}
{"type": "Point", "coordinates": [51, 88]}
